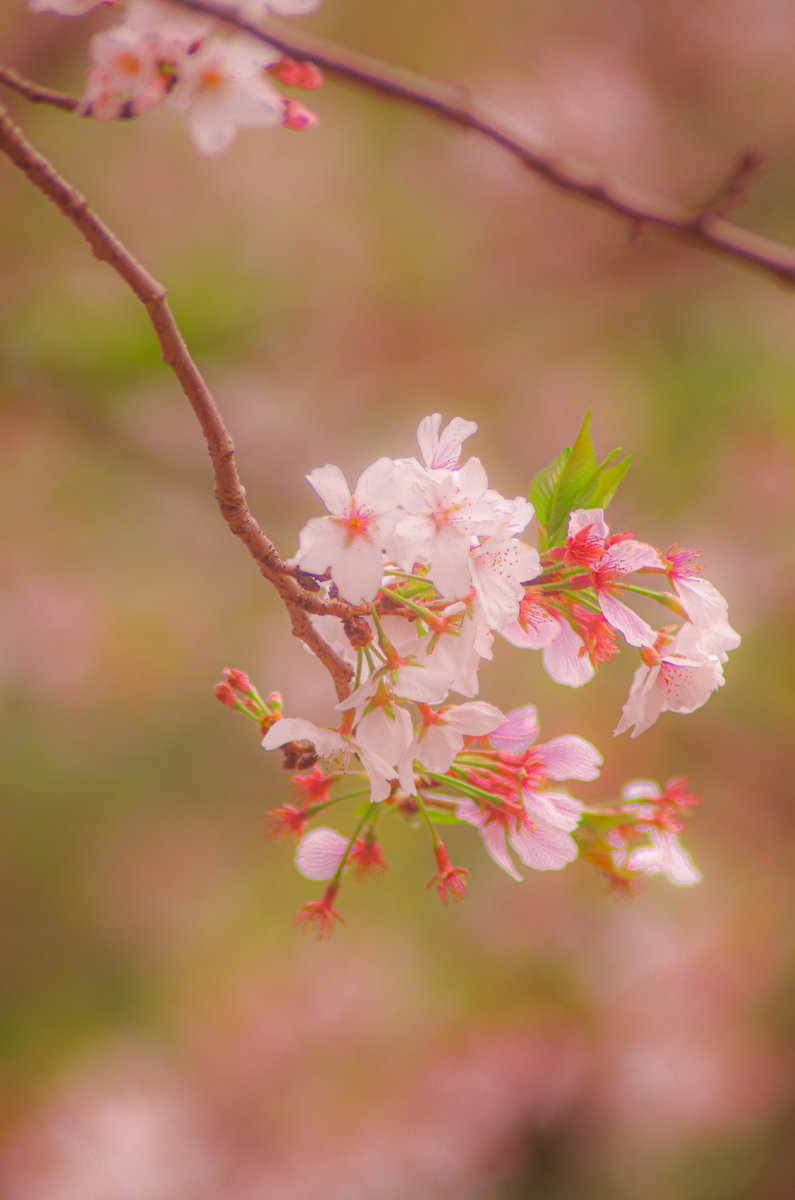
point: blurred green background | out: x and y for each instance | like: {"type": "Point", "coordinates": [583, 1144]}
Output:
{"type": "Point", "coordinates": [167, 1034]}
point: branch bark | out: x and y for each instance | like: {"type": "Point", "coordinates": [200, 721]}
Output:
{"type": "Point", "coordinates": [708, 230]}
{"type": "Point", "coordinates": [229, 491]}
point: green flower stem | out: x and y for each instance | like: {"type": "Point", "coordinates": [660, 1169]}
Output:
{"type": "Point", "coordinates": [468, 788]}
{"type": "Point", "coordinates": [437, 841]}
{"type": "Point", "coordinates": [368, 812]}
{"type": "Point", "coordinates": [418, 608]}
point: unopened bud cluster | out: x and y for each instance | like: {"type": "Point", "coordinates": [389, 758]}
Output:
{"type": "Point", "coordinates": [433, 564]}
{"type": "Point", "coordinates": [221, 81]}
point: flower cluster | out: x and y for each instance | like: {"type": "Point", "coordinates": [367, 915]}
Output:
{"type": "Point", "coordinates": [220, 81]}
{"type": "Point", "coordinates": [430, 562]}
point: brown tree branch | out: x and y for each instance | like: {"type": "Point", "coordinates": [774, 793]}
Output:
{"type": "Point", "coordinates": [229, 491]}
{"type": "Point", "coordinates": [36, 93]}
{"type": "Point", "coordinates": [707, 229]}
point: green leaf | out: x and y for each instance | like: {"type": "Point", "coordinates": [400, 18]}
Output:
{"type": "Point", "coordinates": [542, 489]}
{"type": "Point", "coordinates": [576, 479]}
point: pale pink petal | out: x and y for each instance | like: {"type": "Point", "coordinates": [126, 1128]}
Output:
{"type": "Point", "coordinates": [686, 688]}
{"type": "Point", "coordinates": [637, 631]}
{"type": "Point", "coordinates": [538, 629]}
{"type": "Point", "coordinates": [707, 608]}
{"type": "Point", "coordinates": [375, 487]}
{"type": "Point", "coordinates": [554, 810]}
{"type": "Point", "coordinates": [493, 834]}
{"type": "Point", "coordinates": [518, 731]}
{"type": "Point", "coordinates": [582, 518]}
{"type": "Point", "coordinates": [645, 702]}
{"type": "Point", "coordinates": [320, 541]}
{"type": "Point", "coordinates": [641, 789]}
{"type": "Point", "coordinates": [474, 718]}
{"type": "Point", "coordinates": [629, 556]}
{"type": "Point", "coordinates": [665, 856]}
{"type": "Point", "coordinates": [437, 746]}
{"type": "Point", "coordinates": [565, 659]}
{"type": "Point", "coordinates": [570, 757]}
{"type": "Point", "coordinates": [449, 562]}
{"type": "Point", "coordinates": [294, 729]}
{"type": "Point", "coordinates": [332, 488]}
{"type": "Point", "coordinates": [443, 450]}
{"type": "Point", "coordinates": [358, 570]}
{"type": "Point", "coordinates": [544, 849]}
{"type": "Point", "coordinates": [320, 853]}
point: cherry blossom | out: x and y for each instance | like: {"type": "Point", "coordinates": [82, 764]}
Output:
{"type": "Point", "coordinates": [564, 656]}
{"type": "Point", "coordinates": [349, 543]}
{"type": "Point", "coordinates": [222, 88]}
{"type": "Point", "coordinates": [538, 842]}
{"type": "Point", "coordinates": [442, 733]}
{"type": "Point", "coordinates": [125, 77]}
{"type": "Point", "coordinates": [702, 602]}
{"type": "Point", "coordinates": [441, 449]}
{"type": "Point", "coordinates": [609, 559]}
{"type": "Point", "coordinates": [500, 566]}
{"type": "Point", "coordinates": [680, 679]}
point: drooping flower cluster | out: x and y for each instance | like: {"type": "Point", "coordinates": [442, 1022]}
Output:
{"type": "Point", "coordinates": [220, 81]}
{"type": "Point", "coordinates": [431, 564]}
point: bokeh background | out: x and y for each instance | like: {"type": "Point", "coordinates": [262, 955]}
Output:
{"type": "Point", "coordinates": [167, 1034]}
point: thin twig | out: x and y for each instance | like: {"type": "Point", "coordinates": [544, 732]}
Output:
{"type": "Point", "coordinates": [710, 230]}
{"type": "Point", "coordinates": [229, 491]}
{"type": "Point", "coordinates": [36, 93]}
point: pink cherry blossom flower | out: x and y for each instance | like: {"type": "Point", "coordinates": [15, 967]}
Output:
{"type": "Point", "coordinates": [681, 677]}
{"type": "Point", "coordinates": [702, 602]}
{"type": "Point", "coordinates": [662, 854]}
{"type": "Point", "coordinates": [222, 88]}
{"type": "Point", "coordinates": [566, 757]}
{"type": "Point", "coordinates": [564, 655]}
{"type": "Point", "coordinates": [538, 842]}
{"type": "Point", "coordinates": [350, 542]}
{"type": "Point", "coordinates": [609, 560]}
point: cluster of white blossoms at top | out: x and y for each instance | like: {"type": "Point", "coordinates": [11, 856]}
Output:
{"type": "Point", "coordinates": [221, 81]}
{"type": "Point", "coordinates": [431, 564]}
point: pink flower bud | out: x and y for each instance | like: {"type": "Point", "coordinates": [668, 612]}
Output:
{"type": "Point", "coordinates": [297, 116]}
{"type": "Point", "coordinates": [224, 693]}
{"type": "Point", "coordinates": [237, 679]}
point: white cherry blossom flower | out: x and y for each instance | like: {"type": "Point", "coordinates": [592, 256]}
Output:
{"type": "Point", "coordinates": [222, 88]}
{"type": "Point", "coordinates": [500, 567]}
{"type": "Point", "coordinates": [442, 450]}
{"type": "Point", "coordinates": [372, 743]}
{"type": "Point", "coordinates": [445, 513]}
{"type": "Point", "coordinates": [443, 731]}
{"type": "Point", "coordinates": [349, 543]}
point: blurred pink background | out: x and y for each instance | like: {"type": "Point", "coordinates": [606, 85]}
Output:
{"type": "Point", "coordinates": [167, 1034]}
